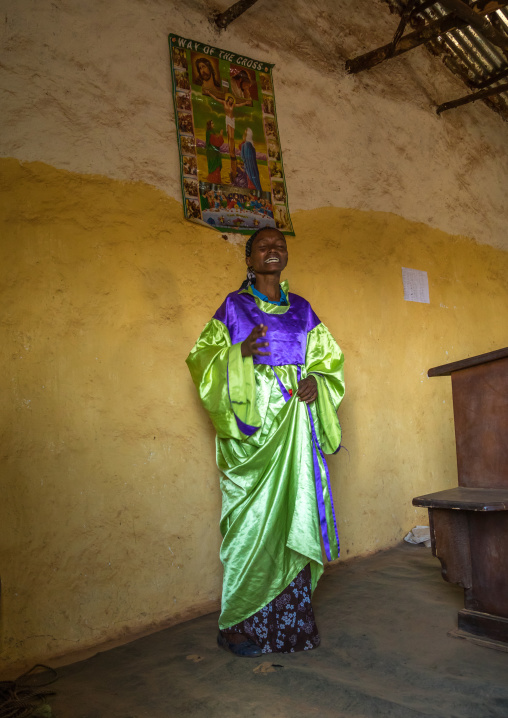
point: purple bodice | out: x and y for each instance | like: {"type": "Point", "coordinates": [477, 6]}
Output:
{"type": "Point", "coordinates": [287, 333]}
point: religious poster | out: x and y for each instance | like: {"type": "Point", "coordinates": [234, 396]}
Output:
{"type": "Point", "coordinates": [230, 157]}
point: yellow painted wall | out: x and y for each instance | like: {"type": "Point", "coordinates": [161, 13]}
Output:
{"type": "Point", "coordinates": [110, 498]}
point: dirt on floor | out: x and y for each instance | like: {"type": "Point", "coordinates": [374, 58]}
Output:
{"type": "Point", "coordinates": [385, 652]}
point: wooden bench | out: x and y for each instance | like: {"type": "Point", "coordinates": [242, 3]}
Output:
{"type": "Point", "coordinates": [469, 524]}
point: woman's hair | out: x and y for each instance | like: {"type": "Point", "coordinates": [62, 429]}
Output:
{"type": "Point", "coordinates": [209, 124]}
{"type": "Point", "coordinates": [251, 277]}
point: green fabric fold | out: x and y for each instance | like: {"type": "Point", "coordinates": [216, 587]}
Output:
{"type": "Point", "coordinates": [242, 387]}
{"type": "Point", "coordinates": [325, 360]}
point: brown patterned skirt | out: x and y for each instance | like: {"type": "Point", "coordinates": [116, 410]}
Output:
{"type": "Point", "coordinates": [286, 624]}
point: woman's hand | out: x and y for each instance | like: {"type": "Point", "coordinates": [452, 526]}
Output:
{"type": "Point", "coordinates": [251, 346]}
{"type": "Point", "coordinates": [307, 389]}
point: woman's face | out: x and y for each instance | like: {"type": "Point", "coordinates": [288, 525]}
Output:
{"type": "Point", "coordinates": [269, 254]}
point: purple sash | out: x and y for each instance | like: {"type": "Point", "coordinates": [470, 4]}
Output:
{"type": "Point", "coordinates": [317, 475]}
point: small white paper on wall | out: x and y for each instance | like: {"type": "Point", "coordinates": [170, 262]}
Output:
{"type": "Point", "coordinates": [416, 285]}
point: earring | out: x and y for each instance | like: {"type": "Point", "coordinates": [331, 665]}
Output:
{"type": "Point", "coordinates": [251, 276]}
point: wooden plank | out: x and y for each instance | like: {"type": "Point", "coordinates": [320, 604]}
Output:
{"type": "Point", "coordinates": [483, 625]}
{"type": "Point", "coordinates": [450, 544]}
{"type": "Point", "coordinates": [488, 535]}
{"type": "Point", "coordinates": [447, 369]}
{"type": "Point", "coordinates": [468, 499]}
{"type": "Point", "coordinates": [480, 411]}
{"type": "Point", "coordinates": [484, 642]}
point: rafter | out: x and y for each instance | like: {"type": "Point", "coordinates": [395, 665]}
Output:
{"type": "Point", "coordinates": [225, 18]}
{"type": "Point", "coordinates": [480, 84]}
{"type": "Point", "coordinates": [408, 42]}
{"type": "Point", "coordinates": [481, 95]}
{"type": "Point", "coordinates": [458, 19]}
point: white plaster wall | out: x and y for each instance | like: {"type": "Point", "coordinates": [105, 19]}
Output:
{"type": "Point", "coordinates": [86, 87]}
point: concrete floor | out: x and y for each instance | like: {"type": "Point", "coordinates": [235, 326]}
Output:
{"type": "Point", "coordinates": [384, 652]}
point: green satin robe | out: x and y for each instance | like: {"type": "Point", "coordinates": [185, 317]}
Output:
{"type": "Point", "coordinates": [270, 522]}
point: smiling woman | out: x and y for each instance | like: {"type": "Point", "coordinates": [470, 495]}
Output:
{"type": "Point", "coordinates": [270, 376]}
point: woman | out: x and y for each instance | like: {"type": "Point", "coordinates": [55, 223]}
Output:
{"type": "Point", "coordinates": [248, 154]}
{"type": "Point", "coordinates": [213, 156]}
{"type": "Point", "coordinates": [269, 375]}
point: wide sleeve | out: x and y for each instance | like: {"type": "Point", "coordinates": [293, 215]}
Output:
{"type": "Point", "coordinates": [325, 360]}
{"type": "Point", "coordinates": [225, 382]}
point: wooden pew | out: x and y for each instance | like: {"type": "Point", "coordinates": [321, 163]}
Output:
{"type": "Point", "coordinates": [469, 524]}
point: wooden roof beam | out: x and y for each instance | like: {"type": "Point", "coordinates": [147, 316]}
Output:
{"type": "Point", "coordinates": [480, 84]}
{"type": "Point", "coordinates": [481, 95]}
{"type": "Point", "coordinates": [223, 19]}
{"type": "Point", "coordinates": [429, 32]}
{"type": "Point", "coordinates": [406, 43]}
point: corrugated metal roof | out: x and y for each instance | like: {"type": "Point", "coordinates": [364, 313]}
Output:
{"type": "Point", "coordinates": [465, 51]}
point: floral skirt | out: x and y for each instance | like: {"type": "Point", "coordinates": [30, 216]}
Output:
{"type": "Point", "coordinates": [286, 624]}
